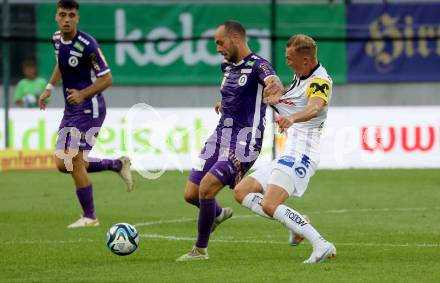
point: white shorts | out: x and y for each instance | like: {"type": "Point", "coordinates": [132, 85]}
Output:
{"type": "Point", "coordinates": [299, 170]}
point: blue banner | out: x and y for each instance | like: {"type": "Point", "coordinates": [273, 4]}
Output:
{"type": "Point", "coordinates": [386, 56]}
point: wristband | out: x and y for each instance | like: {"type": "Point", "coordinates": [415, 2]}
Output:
{"type": "Point", "coordinates": [49, 86]}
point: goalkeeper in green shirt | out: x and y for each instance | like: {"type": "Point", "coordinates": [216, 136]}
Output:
{"type": "Point", "coordinates": [30, 87]}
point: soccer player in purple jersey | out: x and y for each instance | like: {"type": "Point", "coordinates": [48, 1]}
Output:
{"type": "Point", "coordinates": [236, 142]}
{"type": "Point", "coordinates": [85, 74]}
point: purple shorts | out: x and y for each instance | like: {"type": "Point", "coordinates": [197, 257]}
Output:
{"type": "Point", "coordinates": [78, 132]}
{"type": "Point", "coordinates": [222, 163]}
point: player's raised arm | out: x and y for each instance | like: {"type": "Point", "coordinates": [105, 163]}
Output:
{"type": "Point", "coordinates": [273, 90]}
{"type": "Point", "coordinates": [54, 80]}
{"type": "Point", "coordinates": [318, 97]}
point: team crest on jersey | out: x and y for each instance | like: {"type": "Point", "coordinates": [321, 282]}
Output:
{"type": "Point", "coordinates": [242, 80]}
{"type": "Point", "coordinates": [73, 61]}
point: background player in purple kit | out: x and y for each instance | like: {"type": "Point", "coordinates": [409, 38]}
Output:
{"type": "Point", "coordinates": [85, 74]}
{"type": "Point", "coordinates": [236, 143]}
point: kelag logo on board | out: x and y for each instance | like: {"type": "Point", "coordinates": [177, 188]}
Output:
{"type": "Point", "coordinates": [386, 57]}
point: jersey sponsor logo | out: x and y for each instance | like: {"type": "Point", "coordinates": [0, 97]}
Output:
{"type": "Point", "coordinates": [287, 102]}
{"type": "Point", "coordinates": [242, 80]}
{"type": "Point", "coordinates": [288, 161]}
{"type": "Point", "coordinates": [73, 61]}
{"type": "Point", "coordinates": [246, 71]}
{"type": "Point", "coordinates": [79, 46]}
{"type": "Point", "coordinates": [318, 87]}
{"type": "Point", "coordinates": [321, 88]}
{"type": "Point", "coordinates": [250, 63]}
{"type": "Point", "coordinates": [77, 54]}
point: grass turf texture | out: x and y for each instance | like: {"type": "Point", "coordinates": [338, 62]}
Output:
{"type": "Point", "coordinates": [385, 225]}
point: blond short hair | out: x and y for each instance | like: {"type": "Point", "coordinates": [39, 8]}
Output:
{"type": "Point", "coordinates": [304, 45]}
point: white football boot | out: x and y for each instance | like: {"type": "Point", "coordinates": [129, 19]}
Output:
{"type": "Point", "coordinates": [224, 215]}
{"type": "Point", "coordinates": [84, 222]}
{"type": "Point", "coordinates": [125, 173]}
{"type": "Point", "coordinates": [195, 254]}
{"type": "Point", "coordinates": [321, 252]}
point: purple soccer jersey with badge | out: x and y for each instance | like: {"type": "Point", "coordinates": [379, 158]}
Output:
{"type": "Point", "coordinates": [80, 62]}
{"type": "Point", "coordinates": [236, 143]}
{"type": "Point", "coordinates": [242, 104]}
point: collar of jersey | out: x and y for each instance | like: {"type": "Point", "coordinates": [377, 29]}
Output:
{"type": "Point", "coordinates": [69, 41]}
{"type": "Point", "coordinates": [311, 72]}
{"type": "Point", "coordinates": [243, 60]}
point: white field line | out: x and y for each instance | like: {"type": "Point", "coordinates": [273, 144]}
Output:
{"type": "Point", "coordinates": [47, 242]}
{"type": "Point", "coordinates": [231, 241]}
{"type": "Point", "coordinates": [175, 238]}
{"type": "Point", "coordinates": [182, 220]}
{"type": "Point", "coordinates": [330, 211]}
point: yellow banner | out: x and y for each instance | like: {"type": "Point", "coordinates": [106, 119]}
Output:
{"type": "Point", "coordinates": [26, 160]}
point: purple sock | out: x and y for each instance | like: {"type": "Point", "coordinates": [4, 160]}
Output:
{"type": "Point", "coordinates": [218, 208]}
{"type": "Point", "coordinates": [105, 164]}
{"type": "Point", "coordinates": [206, 219]}
{"type": "Point", "coordinates": [85, 197]}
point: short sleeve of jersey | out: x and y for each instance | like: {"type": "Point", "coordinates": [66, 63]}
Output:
{"type": "Point", "coordinates": [56, 38]}
{"type": "Point", "coordinates": [97, 59]}
{"type": "Point", "coordinates": [19, 90]}
{"type": "Point", "coordinates": [264, 70]}
{"type": "Point", "coordinates": [319, 87]}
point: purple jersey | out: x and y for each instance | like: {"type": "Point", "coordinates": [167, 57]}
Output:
{"type": "Point", "coordinates": [236, 143]}
{"type": "Point", "coordinates": [242, 91]}
{"type": "Point", "coordinates": [80, 62]}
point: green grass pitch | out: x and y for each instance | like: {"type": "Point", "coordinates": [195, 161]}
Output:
{"type": "Point", "coordinates": [384, 223]}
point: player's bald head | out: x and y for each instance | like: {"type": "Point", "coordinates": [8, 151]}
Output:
{"type": "Point", "coordinates": [234, 27]}
{"type": "Point", "coordinates": [303, 44]}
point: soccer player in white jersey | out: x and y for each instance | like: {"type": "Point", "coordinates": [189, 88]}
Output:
{"type": "Point", "coordinates": [303, 110]}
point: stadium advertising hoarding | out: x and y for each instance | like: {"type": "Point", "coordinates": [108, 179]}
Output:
{"type": "Point", "coordinates": [191, 62]}
{"type": "Point", "coordinates": [168, 138]}
{"type": "Point", "coordinates": [385, 57]}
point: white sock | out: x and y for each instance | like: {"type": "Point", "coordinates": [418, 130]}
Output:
{"type": "Point", "coordinates": [294, 221]}
{"type": "Point", "coordinates": [253, 202]}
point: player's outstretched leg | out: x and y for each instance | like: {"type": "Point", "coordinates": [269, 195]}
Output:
{"type": "Point", "coordinates": [122, 166]}
{"type": "Point", "coordinates": [248, 193]}
{"type": "Point", "coordinates": [191, 196]}
{"type": "Point", "coordinates": [294, 221]}
{"type": "Point", "coordinates": [225, 214]}
{"type": "Point", "coordinates": [125, 173]}
{"type": "Point", "coordinates": [209, 187]}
